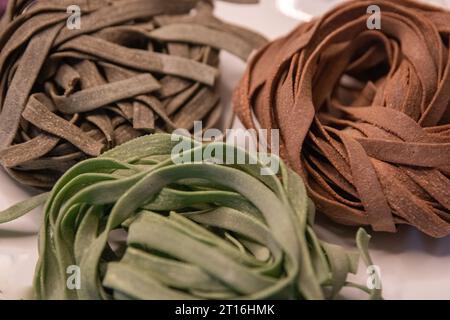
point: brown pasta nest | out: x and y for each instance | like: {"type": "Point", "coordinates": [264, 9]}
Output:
{"type": "Point", "coordinates": [363, 114]}
{"type": "Point", "coordinates": [133, 67]}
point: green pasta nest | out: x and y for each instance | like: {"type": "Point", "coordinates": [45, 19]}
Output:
{"type": "Point", "coordinates": [133, 67]}
{"type": "Point", "coordinates": [193, 231]}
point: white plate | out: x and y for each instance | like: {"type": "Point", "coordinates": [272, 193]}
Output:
{"type": "Point", "coordinates": [413, 266]}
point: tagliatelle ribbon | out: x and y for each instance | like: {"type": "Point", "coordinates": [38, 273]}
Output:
{"type": "Point", "coordinates": [363, 114]}
{"type": "Point", "coordinates": [129, 68]}
{"type": "Point", "coordinates": [191, 230]}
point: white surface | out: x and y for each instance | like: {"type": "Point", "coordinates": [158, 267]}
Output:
{"type": "Point", "coordinates": [413, 266]}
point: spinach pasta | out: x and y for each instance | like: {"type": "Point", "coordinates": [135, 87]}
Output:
{"type": "Point", "coordinates": [191, 230]}
{"type": "Point", "coordinates": [128, 69]}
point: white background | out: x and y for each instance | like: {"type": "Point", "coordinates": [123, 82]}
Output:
{"type": "Point", "coordinates": [413, 266]}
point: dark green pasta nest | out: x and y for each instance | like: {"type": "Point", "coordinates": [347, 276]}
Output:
{"type": "Point", "coordinates": [134, 67]}
{"type": "Point", "coordinates": [193, 230]}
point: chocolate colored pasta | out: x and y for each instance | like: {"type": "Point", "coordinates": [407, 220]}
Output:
{"type": "Point", "coordinates": [70, 91]}
{"type": "Point", "coordinates": [363, 114]}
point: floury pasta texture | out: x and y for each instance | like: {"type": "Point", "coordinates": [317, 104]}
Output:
{"type": "Point", "coordinates": [188, 231]}
{"type": "Point", "coordinates": [73, 89]}
{"type": "Point", "coordinates": [363, 114]}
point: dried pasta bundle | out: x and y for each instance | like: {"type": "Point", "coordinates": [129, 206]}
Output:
{"type": "Point", "coordinates": [191, 230]}
{"type": "Point", "coordinates": [68, 91]}
{"type": "Point", "coordinates": [363, 114]}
